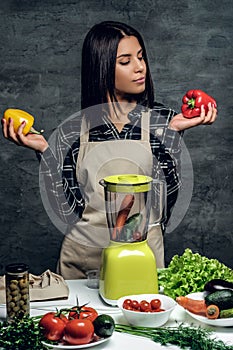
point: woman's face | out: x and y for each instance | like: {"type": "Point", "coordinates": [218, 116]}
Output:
{"type": "Point", "coordinates": [130, 72]}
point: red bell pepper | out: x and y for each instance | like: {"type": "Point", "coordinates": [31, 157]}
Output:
{"type": "Point", "coordinates": [192, 102]}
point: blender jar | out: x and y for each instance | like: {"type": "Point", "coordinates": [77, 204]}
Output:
{"type": "Point", "coordinates": [128, 204]}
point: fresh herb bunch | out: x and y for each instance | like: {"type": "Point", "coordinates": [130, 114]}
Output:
{"type": "Point", "coordinates": [21, 334]}
{"type": "Point", "coordinates": [190, 272]}
{"type": "Point", "coordinates": [186, 337]}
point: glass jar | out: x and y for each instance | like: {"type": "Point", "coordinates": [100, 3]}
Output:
{"type": "Point", "coordinates": [17, 291]}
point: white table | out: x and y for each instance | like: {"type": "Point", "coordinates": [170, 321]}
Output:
{"type": "Point", "coordinates": [119, 341]}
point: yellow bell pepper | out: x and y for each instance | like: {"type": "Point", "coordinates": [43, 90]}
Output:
{"type": "Point", "coordinates": [18, 116]}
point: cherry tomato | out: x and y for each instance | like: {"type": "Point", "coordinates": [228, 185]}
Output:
{"type": "Point", "coordinates": [155, 304]}
{"type": "Point", "coordinates": [135, 305]}
{"type": "Point", "coordinates": [128, 307]}
{"type": "Point", "coordinates": [83, 312]}
{"type": "Point", "coordinates": [53, 325]}
{"type": "Point", "coordinates": [145, 306]}
{"type": "Point", "coordinates": [157, 310]}
{"type": "Point", "coordinates": [78, 331]}
{"type": "Point", "coordinates": [137, 236]}
{"type": "Point", "coordinates": [127, 303]}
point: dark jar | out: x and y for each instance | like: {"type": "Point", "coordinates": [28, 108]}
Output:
{"type": "Point", "coordinates": [17, 291]}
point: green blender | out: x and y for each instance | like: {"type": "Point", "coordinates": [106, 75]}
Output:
{"type": "Point", "coordinates": [128, 264]}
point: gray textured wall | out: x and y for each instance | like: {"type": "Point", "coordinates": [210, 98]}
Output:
{"type": "Point", "coordinates": [189, 45]}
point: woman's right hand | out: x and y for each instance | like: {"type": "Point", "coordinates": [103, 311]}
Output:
{"type": "Point", "coordinates": [36, 142]}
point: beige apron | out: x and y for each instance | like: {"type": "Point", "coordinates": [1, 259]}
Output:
{"type": "Point", "coordinates": [83, 244]}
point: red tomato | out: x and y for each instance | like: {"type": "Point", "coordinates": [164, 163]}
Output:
{"type": "Point", "coordinates": [127, 303]}
{"type": "Point", "coordinates": [53, 325]}
{"type": "Point", "coordinates": [85, 312]}
{"type": "Point", "coordinates": [155, 304]}
{"type": "Point", "coordinates": [135, 305]}
{"type": "Point", "coordinates": [78, 332]}
{"type": "Point", "coordinates": [145, 306]}
{"type": "Point", "coordinates": [137, 236]}
{"type": "Point", "coordinates": [157, 310]}
{"type": "Point", "coordinates": [128, 307]}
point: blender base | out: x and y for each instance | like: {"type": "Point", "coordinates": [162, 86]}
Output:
{"type": "Point", "coordinates": [107, 301]}
{"type": "Point", "coordinates": [127, 268]}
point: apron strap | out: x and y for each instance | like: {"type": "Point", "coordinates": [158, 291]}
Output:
{"type": "Point", "coordinates": [84, 132]}
{"type": "Point", "coordinates": [84, 138]}
{"type": "Point", "coordinates": [145, 125]}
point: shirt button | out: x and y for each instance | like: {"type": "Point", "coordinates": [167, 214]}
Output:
{"type": "Point", "coordinates": [159, 132]}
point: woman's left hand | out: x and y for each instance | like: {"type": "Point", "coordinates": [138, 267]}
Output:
{"type": "Point", "coordinates": [179, 122]}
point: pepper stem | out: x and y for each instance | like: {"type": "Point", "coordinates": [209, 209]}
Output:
{"type": "Point", "coordinates": [34, 131]}
{"type": "Point", "coordinates": [191, 103]}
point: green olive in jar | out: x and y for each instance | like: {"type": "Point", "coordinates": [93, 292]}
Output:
{"type": "Point", "coordinates": [13, 286]}
{"type": "Point", "coordinates": [17, 290]}
{"type": "Point", "coordinates": [23, 283]}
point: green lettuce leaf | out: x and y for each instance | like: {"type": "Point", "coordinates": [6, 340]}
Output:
{"type": "Point", "coordinates": [190, 272]}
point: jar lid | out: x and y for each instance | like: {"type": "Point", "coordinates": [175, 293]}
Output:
{"type": "Point", "coordinates": [127, 183]}
{"type": "Point", "coordinates": [16, 268]}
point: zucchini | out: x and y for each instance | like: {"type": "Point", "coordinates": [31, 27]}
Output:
{"type": "Point", "coordinates": [222, 298]}
{"type": "Point", "coordinates": [226, 313]}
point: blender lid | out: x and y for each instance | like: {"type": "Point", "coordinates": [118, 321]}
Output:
{"type": "Point", "coordinates": [128, 183]}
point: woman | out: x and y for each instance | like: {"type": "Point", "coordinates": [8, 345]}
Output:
{"type": "Point", "coordinates": [121, 128]}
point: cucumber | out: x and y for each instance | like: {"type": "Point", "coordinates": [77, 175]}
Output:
{"type": "Point", "coordinates": [222, 298]}
{"type": "Point", "coordinates": [226, 313]}
{"type": "Point", "coordinates": [133, 221]}
{"type": "Point", "coordinates": [131, 225]}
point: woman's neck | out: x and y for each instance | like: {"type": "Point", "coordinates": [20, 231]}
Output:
{"type": "Point", "coordinates": [118, 110]}
{"type": "Point", "coordinates": [118, 113]}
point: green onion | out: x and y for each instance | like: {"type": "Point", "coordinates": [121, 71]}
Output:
{"type": "Point", "coordinates": [186, 337]}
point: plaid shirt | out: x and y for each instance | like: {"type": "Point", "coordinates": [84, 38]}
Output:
{"type": "Point", "coordinates": [58, 162]}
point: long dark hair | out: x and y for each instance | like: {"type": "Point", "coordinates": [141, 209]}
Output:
{"type": "Point", "coordinates": [98, 64]}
